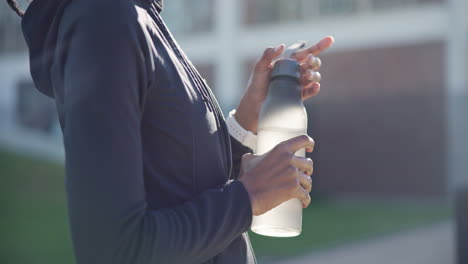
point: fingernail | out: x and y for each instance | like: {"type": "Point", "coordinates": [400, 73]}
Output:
{"type": "Point", "coordinates": [315, 62]}
{"type": "Point", "coordinates": [278, 48]}
{"type": "Point", "coordinates": [314, 76]}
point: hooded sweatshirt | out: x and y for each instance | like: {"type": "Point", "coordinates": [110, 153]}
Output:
{"type": "Point", "coordinates": [150, 166]}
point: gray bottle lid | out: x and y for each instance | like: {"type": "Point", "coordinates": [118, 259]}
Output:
{"type": "Point", "coordinates": [286, 68]}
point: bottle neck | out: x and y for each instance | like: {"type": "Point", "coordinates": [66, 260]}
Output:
{"type": "Point", "coordinates": [286, 88]}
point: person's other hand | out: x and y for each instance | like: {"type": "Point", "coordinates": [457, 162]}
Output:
{"type": "Point", "coordinates": [257, 88]}
{"type": "Point", "coordinates": [278, 175]}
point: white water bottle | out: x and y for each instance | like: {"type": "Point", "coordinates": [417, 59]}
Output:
{"type": "Point", "coordinates": [283, 116]}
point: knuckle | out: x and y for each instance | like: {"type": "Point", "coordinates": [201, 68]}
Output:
{"type": "Point", "coordinates": [258, 65]}
{"type": "Point", "coordinates": [247, 155]}
{"type": "Point", "coordinates": [307, 180]}
{"type": "Point", "coordinates": [278, 147]}
{"type": "Point", "coordinates": [306, 138]}
{"type": "Point", "coordinates": [267, 50]}
{"type": "Point", "coordinates": [317, 77]}
{"type": "Point", "coordinates": [312, 141]}
{"type": "Point", "coordinates": [303, 194]}
{"type": "Point", "coordinates": [293, 188]}
{"type": "Point", "coordinates": [297, 183]}
{"type": "Point", "coordinates": [295, 55]}
{"type": "Point", "coordinates": [292, 170]}
{"type": "Point", "coordinates": [310, 165]}
{"type": "Point", "coordinates": [315, 62]}
{"type": "Point", "coordinates": [319, 62]}
{"type": "Point", "coordinates": [288, 157]}
{"type": "Point", "coordinates": [281, 147]}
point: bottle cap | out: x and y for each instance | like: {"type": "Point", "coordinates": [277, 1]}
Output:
{"type": "Point", "coordinates": [286, 68]}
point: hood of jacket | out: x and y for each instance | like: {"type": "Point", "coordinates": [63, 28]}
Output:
{"type": "Point", "coordinates": [40, 29]}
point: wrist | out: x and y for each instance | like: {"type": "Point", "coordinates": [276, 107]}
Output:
{"type": "Point", "coordinates": [248, 112]}
{"type": "Point", "coordinates": [253, 203]}
{"type": "Point", "coordinates": [253, 96]}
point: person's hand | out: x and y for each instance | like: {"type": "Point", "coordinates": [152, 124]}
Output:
{"type": "Point", "coordinates": [307, 57]}
{"type": "Point", "coordinates": [278, 175]}
{"type": "Point", "coordinates": [249, 108]}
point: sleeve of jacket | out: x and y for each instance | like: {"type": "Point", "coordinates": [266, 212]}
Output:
{"type": "Point", "coordinates": [238, 150]}
{"type": "Point", "coordinates": [104, 78]}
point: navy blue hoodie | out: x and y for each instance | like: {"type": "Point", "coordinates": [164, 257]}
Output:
{"type": "Point", "coordinates": [150, 165]}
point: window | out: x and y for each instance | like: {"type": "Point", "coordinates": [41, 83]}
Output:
{"type": "Point", "coordinates": [388, 4]}
{"type": "Point", "coordinates": [268, 11]}
{"type": "Point", "coordinates": [335, 7]}
{"type": "Point", "coordinates": [308, 9]}
{"type": "Point", "coordinates": [275, 11]}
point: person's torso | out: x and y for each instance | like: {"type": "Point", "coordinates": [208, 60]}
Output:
{"type": "Point", "coordinates": [185, 148]}
{"type": "Point", "coordinates": [185, 141]}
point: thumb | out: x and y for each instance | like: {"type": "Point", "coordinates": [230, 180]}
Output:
{"type": "Point", "coordinates": [245, 163]}
{"type": "Point", "coordinates": [247, 157]}
{"type": "Point", "coordinates": [268, 56]}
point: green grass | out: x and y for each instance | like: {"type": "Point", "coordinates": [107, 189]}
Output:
{"type": "Point", "coordinates": [328, 224]}
{"type": "Point", "coordinates": [34, 226]}
{"type": "Point", "coordinates": [33, 222]}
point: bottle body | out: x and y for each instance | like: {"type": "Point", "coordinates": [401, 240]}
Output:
{"type": "Point", "coordinates": [283, 116]}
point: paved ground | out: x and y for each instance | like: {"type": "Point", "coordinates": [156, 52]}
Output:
{"type": "Point", "coordinates": [429, 245]}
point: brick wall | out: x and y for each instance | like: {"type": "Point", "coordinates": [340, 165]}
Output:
{"type": "Point", "coordinates": [379, 122]}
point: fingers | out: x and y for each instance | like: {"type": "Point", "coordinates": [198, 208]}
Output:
{"type": "Point", "coordinates": [303, 194]}
{"type": "Point", "coordinates": [264, 63]}
{"type": "Point", "coordinates": [306, 201]}
{"type": "Point", "coordinates": [294, 144]}
{"type": "Point", "coordinates": [305, 181]}
{"type": "Point", "coordinates": [310, 90]}
{"type": "Point", "coordinates": [311, 63]}
{"type": "Point", "coordinates": [315, 49]}
{"type": "Point", "coordinates": [310, 76]}
{"type": "Point", "coordinates": [304, 165]}
{"type": "Point", "coordinates": [310, 67]}
{"type": "Point", "coordinates": [302, 187]}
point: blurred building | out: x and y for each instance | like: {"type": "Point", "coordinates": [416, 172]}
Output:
{"type": "Point", "coordinates": [385, 121]}
{"type": "Point", "coordinates": [28, 120]}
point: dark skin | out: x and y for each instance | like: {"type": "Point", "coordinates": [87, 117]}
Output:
{"type": "Point", "coordinates": [249, 107]}
{"type": "Point", "coordinates": [278, 175]}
